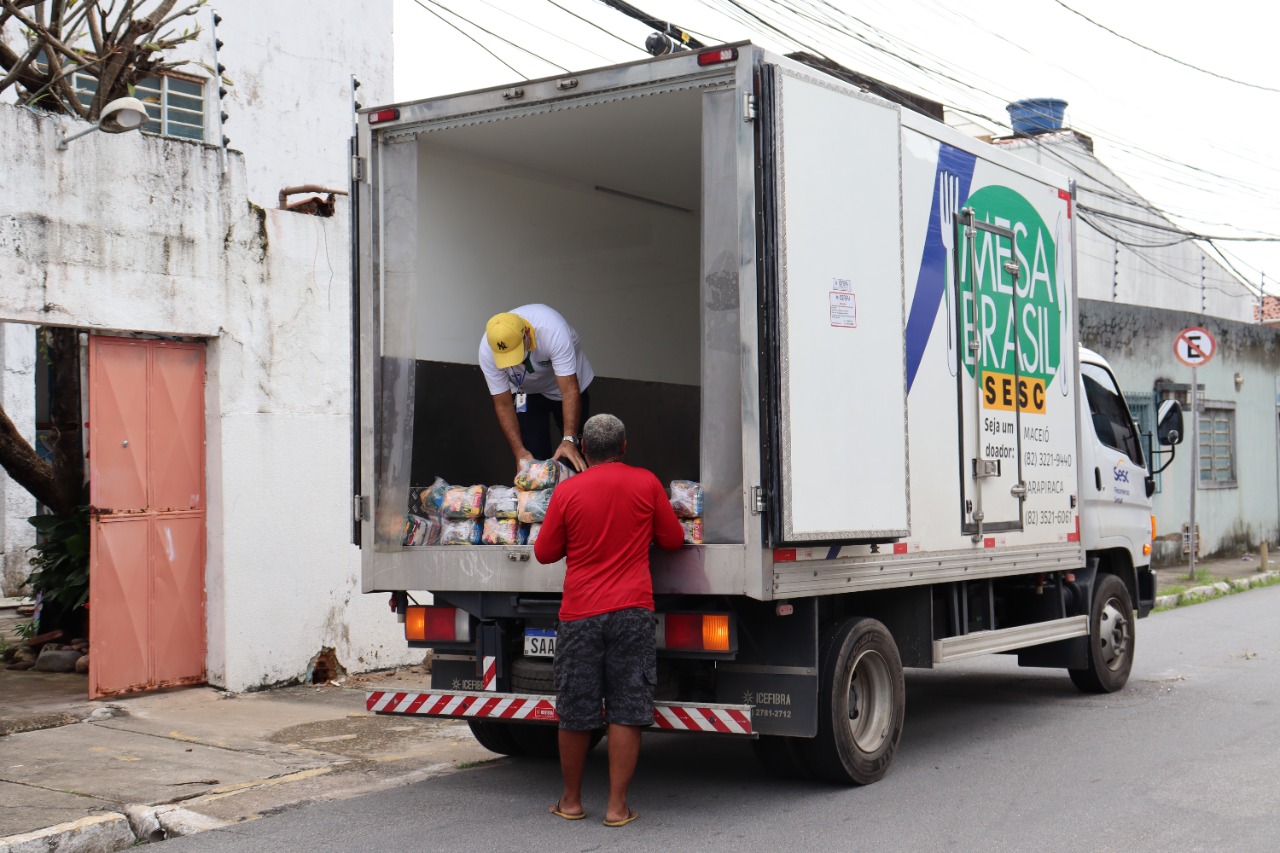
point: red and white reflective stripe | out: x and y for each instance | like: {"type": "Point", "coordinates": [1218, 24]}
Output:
{"type": "Point", "coordinates": [729, 720]}
{"type": "Point", "coordinates": [692, 718]}
{"type": "Point", "coordinates": [490, 673]}
{"type": "Point", "coordinates": [463, 705]}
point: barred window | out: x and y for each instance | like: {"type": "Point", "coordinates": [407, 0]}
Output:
{"type": "Point", "coordinates": [1217, 446]}
{"type": "Point", "coordinates": [175, 106]}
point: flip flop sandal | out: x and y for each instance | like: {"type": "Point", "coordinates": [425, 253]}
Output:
{"type": "Point", "coordinates": [555, 810]}
{"type": "Point", "coordinates": [632, 814]}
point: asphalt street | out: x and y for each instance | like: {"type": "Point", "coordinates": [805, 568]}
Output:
{"type": "Point", "coordinates": [993, 758]}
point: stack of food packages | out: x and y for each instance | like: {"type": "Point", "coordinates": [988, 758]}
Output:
{"type": "Point", "coordinates": [686, 500]}
{"type": "Point", "coordinates": [441, 514]}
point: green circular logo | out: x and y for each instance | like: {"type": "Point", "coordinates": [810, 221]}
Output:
{"type": "Point", "coordinates": [1019, 321]}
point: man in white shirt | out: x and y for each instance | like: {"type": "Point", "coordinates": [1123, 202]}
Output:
{"type": "Point", "coordinates": [535, 368]}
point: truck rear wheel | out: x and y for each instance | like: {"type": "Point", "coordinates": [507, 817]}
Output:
{"type": "Point", "coordinates": [1111, 638]}
{"type": "Point", "coordinates": [861, 704]}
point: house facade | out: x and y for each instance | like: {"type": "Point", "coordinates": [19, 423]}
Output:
{"type": "Point", "coordinates": [225, 317]}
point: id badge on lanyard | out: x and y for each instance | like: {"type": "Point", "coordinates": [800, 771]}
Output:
{"type": "Point", "coordinates": [522, 399]}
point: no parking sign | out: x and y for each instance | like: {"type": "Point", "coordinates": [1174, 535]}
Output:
{"type": "Point", "coordinates": [1195, 346]}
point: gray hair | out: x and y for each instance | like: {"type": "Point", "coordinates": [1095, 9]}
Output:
{"type": "Point", "coordinates": [603, 437]}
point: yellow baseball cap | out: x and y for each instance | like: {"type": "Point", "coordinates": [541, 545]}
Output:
{"type": "Point", "coordinates": [506, 338]}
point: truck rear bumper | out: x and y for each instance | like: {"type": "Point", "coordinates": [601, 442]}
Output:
{"type": "Point", "coordinates": [532, 708]}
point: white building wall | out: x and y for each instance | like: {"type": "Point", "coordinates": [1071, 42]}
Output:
{"type": "Point", "coordinates": [17, 396]}
{"type": "Point", "coordinates": [1125, 262]}
{"type": "Point", "coordinates": [139, 234]}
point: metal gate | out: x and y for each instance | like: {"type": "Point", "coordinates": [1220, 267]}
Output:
{"type": "Point", "coordinates": [147, 528]}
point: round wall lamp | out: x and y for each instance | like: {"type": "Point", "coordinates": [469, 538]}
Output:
{"type": "Point", "coordinates": [120, 116]}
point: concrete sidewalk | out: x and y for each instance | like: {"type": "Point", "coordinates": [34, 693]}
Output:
{"type": "Point", "coordinates": [166, 764]}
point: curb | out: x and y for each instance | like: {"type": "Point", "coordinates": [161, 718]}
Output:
{"type": "Point", "coordinates": [1197, 594]}
{"type": "Point", "coordinates": [112, 832]}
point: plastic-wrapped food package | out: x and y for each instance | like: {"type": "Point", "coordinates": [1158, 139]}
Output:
{"type": "Point", "coordinates": [538, 474]}
{"type": "Point", "coordinates": [461, 531]}
{"type": "Point", "coordinates": [432, 497]}
{"type": "Point", "coordinates": [692, 530]}
{"type": "Point", "coordinates": [686, 498]}
{"type": "Point", "coordinates": [532, 535]}
{"type": "Point", "coordinates": [501, 502]}
{"type": "Point", "coordinates": [522, 534]}
{"type": "Point", "coordinates": [500, 531]}
{"type": "Point", "coordinates": [565, 471]}
{"type": "Point", "coordinates": [463, 502]}
{"type": "Point", "coordinates": [420, 530]}
{"type": "Point", "coordinates": [533, 505]}
{"type": "Point", "coordinates": [416, 493]}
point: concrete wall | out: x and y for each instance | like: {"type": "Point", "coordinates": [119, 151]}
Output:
{"type": "Point", "coordinates": [140, 234]}
{"type": "Point", "coordinates": [1138, 341]}
{"type": "Point", "coordinates": [17, 397]}
{"type": "Point", "coordinates": [288, 64]}
{"type": "Point", "coordinates": [1125, 262]}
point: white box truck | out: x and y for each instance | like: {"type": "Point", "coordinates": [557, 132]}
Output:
{"type": "Point", "coordinates": [855, 326]}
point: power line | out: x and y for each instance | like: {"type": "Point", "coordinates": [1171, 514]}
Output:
{"type": "Point", "coordinates": [597, 26]}
{"type": "Point", "coordinates": [470, 37]}
{"type": "Point", "coordinates": [554, 35]}
{"type": "Point", "coordinates": [1165, 55]}
{"type": "Point", "coordinates": [498, 37]}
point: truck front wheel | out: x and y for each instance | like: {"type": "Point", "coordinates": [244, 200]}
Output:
{"type": "Point", "coordinates": [495, 737]}
{"type": "Point", "coordinates": [1110, 638]}
{"type": "Point", "coordinates": [861, 704]}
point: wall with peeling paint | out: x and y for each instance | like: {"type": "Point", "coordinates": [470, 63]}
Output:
{"type": "Point", "coordinates": [144, 235]}
{"type": "Point", "coordinates": [17, 396]}
{"type": "Point", "coordinates": [1138, 341]}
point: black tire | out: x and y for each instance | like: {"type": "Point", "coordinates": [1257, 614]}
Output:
{"type": "Point", "coordinates": [495, 736]}
{"type": "Point", "coordinates": [780, 756]}
{"type": "Point", "coordinates": [532, 676]}
{"type": "Point", "coordinates": [1111, 638]}
{"type": "Point", "coordinates": [861, 704]}
{"type": "Point", "coordinates": [544, 741]}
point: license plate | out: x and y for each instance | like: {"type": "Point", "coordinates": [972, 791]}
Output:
{"type": "Point", "coordinates": [539, 643]}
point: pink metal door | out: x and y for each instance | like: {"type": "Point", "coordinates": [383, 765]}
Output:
{"type": "Point", "coordinates": [147, 534]}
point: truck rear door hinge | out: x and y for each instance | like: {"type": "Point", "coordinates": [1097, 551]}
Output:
{"type": "Point", "coordinates": [748, 106]}
{"type": "Point", "coordinates": [357, 168]}
{"type": "Point", "coordinates": [360, 508]}
{"type": "Point", "coordinates": [757, 500]}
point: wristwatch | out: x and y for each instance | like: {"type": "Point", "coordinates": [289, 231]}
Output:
{"type": "Point", "coordinates": [572, 439]}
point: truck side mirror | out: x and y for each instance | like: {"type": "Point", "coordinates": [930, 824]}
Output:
{"type": "Point", "coordinates": [1169, 423]}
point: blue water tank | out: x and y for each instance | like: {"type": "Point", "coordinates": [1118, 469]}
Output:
{"type": "Point", "coordinates": [1036, 115]}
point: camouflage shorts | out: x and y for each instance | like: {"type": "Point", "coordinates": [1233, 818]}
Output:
{"type": "Point", "coordinates": [609, 658]}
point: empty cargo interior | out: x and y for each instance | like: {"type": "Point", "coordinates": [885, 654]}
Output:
{"type": "Point", "coordinates": [595, 210]}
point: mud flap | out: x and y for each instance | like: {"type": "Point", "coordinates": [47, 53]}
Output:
{"type": "Point", "coordinates": [776, 670]}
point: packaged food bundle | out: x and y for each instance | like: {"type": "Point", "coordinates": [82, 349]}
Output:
{"type": "Point", "coordinates": [431, 498]}
{"type": "Point", "coordinates": [463, 502]}
{"type": "Point", "coordinates": [533, 505]}
{"type": "Point", "coordinates": [566, 471]}
{"type": "Point", "coordinates": [501, 502]}
{"type": "Point", "coordinates": [692, 530]}
{"type": "Point", "coordinates": [538, 474]}
{"type": "Point", "coordinates": [522, 534]}
{"type": "Point", "coordinates": [415, 501]}
{"type": "Point", "coordinates": [419, 530]}
{"type": "Point", "coordinates": [500, 531]}
{"type": "Point", "coordinates": [460, 531]}
{"type": "Point", "coordinates": [686, 498]}
{"type": "Point", "coordinates": [532, 535]}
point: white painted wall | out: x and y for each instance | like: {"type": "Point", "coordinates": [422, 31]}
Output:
{"type": "Point", "coordinates": [17, 396]}
{"type": "Point", "coordinates": [140, 234]}
{"type": "Point", "coordinates": [1179, 276]}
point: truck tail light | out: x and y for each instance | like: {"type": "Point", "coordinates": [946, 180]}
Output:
{"type": "Point", "coordinates": [715, 57]}
{"type": "Point", "coordinates": [694, 632]}
{"type": "Point", "coordinates": [384, 115]}
{"type": "Point", "coordinates": [441, 624]}
{"type": "Point", "coordinates": [1153, 528]}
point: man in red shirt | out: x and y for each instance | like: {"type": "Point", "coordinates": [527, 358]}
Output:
{"type": "Point", "coordinates": [602, 521]}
